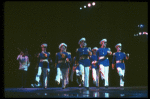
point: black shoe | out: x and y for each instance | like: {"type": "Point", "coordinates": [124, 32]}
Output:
{"type": "Point", "coordinates": [103, 82]}
{"type": "Point", "coordinates": [106, 87]}
{"type": "Point", "coordinates": [82, 83]}
{"type": "Point", "coordinates": [63, 88]}
{"type": "Point", "coordinates": [67, 85]}
{"type": "Point", "coordinates": [57, 83]}
{"type": "Point", "coordinates": [87, 88]}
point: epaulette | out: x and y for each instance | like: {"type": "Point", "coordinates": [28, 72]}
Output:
{"type": "Point", "coordinates": [89, 48]}
{"type": "Point", "coordinates": [56, 53]}
{"type": "Point", "coordinates": [124, 52]}
{"type": "Point", "coordinates": [113, 53]}
{"type": "Point", "coordinates": [76, 49]}
{"type": "Point", "coordinates": [109, 48]}
{"type": "Point", "coordinates": [69, 53]}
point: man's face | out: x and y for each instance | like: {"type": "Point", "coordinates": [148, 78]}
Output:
{"type": "Point", "coordinates": [63, 48]}
{"type": "Point", "coordinates": [83, 43]}
{"type": "Point", "coordinates": [43, 48]}
{"type": "Point", "coordinates": [104, 44]}
{"type": "Point", "coordinates": [119, 48]}
{"type": "Point", "coordinates": [94, 51]}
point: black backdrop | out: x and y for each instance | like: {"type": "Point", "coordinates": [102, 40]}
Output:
{"type": "Point", "coordinates": [29, 24]}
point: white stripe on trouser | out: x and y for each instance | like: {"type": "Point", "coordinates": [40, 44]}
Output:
{"type": "Point", "coordinates": [58, 75]}
{"type": "Point", "coordinates": [82, 71]}
{"type": "Point", "coordinates": [45, 76]}
{"type": "Point", "coordinates": [38, 74]}
{"type": "Point", "coordinates": [95, 76]}
{"type": "Point", "coordinates": [86, 82]}
{"type": "Point", "coordinates": [104, 73]}
{"type": "Point", "coordinates": [121, 72]}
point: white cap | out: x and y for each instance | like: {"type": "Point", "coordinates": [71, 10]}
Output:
{"type": "Point", "coordinates": [62, 45]}
{"type": "Point", "coordinates": [82, 39]}
{"type": "Point", "coordinates": [119, 44]}
{"type": "Point", "coordinates": [95, 48]}
{"type": "Point", "coordinates": [103, 40]}
{"type": "Point", "coordinates": [44, 45]}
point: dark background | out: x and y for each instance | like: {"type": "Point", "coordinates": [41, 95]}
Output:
{"type": "Point", "coordinates": [29, 24]}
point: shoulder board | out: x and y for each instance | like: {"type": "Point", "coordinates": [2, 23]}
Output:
{"type": "Point", "coordinates": [76, 49]}
{"type": "Point", "coordinates": [124, 52]}
{"type": "Point", "coordinates": [69, 53]}
{"type": "Point", "coordinates": [109, 48]}
{"type": "Point", "coordinates": [89, 48]}
{"type": "Point", "coordinates": [48, 52]}
{"type": "Point", "coordinates": [113, 53]}
{"type": "Point", "coordinates": [56, 53]}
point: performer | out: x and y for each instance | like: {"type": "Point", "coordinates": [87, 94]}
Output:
{"type": "Point", "coordinates": [75, 68]}
{"type": "Point", "coordinates": [68, 63]}
{"type": "Point", "coordinates": [103, 61]}
{"type": "Point", "coordinates": [95, 68]}
{"type": "Point", "coordinates": [119, 58]}
{"type": "Point", "coordinates": [61, 62]}
{"type": "Point", "coordinates": [23, 68]}
{"type": "Point", "coordinates": [82, 58]}
{"type": "Point", "coordinates": [43, 66]}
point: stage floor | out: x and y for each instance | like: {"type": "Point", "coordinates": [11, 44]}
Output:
{"type": "Point", "coordinates": [76, 92]}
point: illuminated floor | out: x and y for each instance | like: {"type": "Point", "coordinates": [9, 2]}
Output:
{"type": "Point", "coordinates": [75, 92]}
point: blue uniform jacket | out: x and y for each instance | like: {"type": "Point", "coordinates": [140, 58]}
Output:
{"type": "Point", "coordinates": [94, 58]}
{"type": "Point", "coordinates": [41, 56]}
{"type": "Point", "coordinates": [119, 56]}
{"type": "Point", "coordinates": [103, 52]}
{"type": "Point", "coordinates": [59, 58]}
{"type": "Point", "coordinates": [83, 52]}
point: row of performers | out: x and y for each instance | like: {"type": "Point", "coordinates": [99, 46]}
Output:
{"type": "Point", "coordinates": [97, 58]}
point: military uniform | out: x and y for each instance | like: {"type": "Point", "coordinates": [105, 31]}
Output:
{"type": "Point", "coordinates": [82, 58]}
{"type": "Point", "coordinates": [62, 59]}
{"type": "Point", "coordinates": [43, 58]}
{"type": "Point", "coordinates": [103, 62]}
{"type": "Point", "coordinates": [118, 58]}
{"type": "Point", "coordinates": [95, 68]}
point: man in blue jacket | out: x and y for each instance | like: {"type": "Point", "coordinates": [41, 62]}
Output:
{"type": "Point", "coordinates": [82, 58]}
{"type": "Point", "coordinates": [119, 58]}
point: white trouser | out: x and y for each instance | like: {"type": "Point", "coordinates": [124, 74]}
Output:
{"type": "Point", "coordinates": [86, 82]}
{"type": "Point", "coordinates": [82, 71]}
{"type": "Point", "coordinates": [58, 75]}
{"type": "Point", "coordinates": [104, 73]}
{"type": "Point", "coordinates": [121, 72]}
{"type": "Point", "coordinates": [95, 76]}
{"type": "Point", "coordinates": [39, 75]}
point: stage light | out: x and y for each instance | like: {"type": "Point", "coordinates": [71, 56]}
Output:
{"type": "Point", "coordinates": [80, 8]}
{"type": "Point", "coordinates": [84, 6]}
{"type": "Point", "coordinates": [89, 4]}
{"type": "Point", "coordinates": [93, 4]}
{"type": "Point", "coordinates": [141, 26]}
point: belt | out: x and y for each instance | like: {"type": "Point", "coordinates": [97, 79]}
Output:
{"type": "Point", "coordinates": [102, 57]}
{"type": "Point", "coordinates": [44, 60]}
{"type": "Point", "coordinates": [120, 61]}
{"type": "Point", "coordinates": [84, 57]}
{"type": "Point", "coordinates": [62, 61]}
{"type": "Point", "coordinates": [94, 62]}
